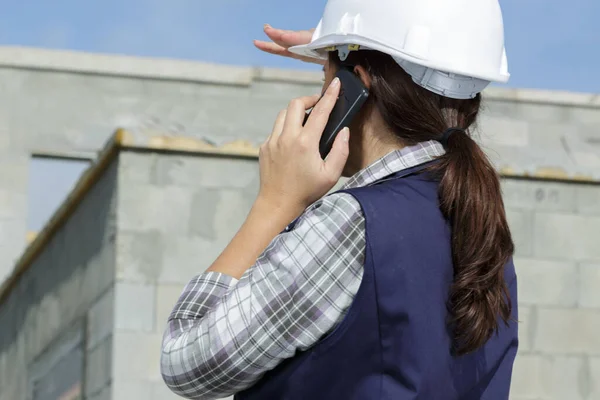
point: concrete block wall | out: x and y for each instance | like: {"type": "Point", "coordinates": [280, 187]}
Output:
{"type": "Point", "coordinates": [176, 213]}
{"type": "Point", "coordinates": [68, 288]}
{"type": "Point", "coordinates": [527, 137]}
{"type": "Point", "coordinates": [556, 227]}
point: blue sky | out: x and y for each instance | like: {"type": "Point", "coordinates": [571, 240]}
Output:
{"type": "Point", "coordinates": [551, 44]}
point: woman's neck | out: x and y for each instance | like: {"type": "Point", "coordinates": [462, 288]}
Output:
{"type": "Point", "coordinates": [373, 142]}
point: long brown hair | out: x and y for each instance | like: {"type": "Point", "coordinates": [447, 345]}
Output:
{"type": "Point", "coordinates": [469, 194]}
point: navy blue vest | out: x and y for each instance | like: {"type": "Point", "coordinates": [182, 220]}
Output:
{"type": "Point", "coordinates": [394, 342]}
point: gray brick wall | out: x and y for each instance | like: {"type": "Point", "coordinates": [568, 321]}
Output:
{"type": "Point", "coordinates": [69, 284]}
{"type": "Point", "coordinates": [556, 227]}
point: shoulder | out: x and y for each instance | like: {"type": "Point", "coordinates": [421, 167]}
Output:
{"type": "Point", "coordinates": [334, 211]}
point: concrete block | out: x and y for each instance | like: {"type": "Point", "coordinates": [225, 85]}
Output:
{"type": "Point", "coordinates": [100, 319]}
{"type": "Point", "coordinates": [594, 378]}
{"type": "Point", "coordinates": [279, 88]}
{"type": "Point", "coordinates": [527, 320]}
{"type": "Point", "coordinates": [49, 319]}
{"type": "Point", "coordinates": [566, 378]}
{"type": "Point", "coordinates": [12, 204]}
{"type": "Point", "coordinates": [549, 377]}
{"type": "Point", "coordinates": [583, 115]}
{"type": "Point", "coordinates": [588, 199]}
{"type": "Point", "coordinates": [185, 257]}
{"type": "Point", "coordinates": [589, 133]}
{"type": "Point", "coordinates": [73, 302]}
{"type": "Point", "coordinates": [547, 282]}
{"type": "Point", "coordinates": [139, 256]}
{"type": "Point", "coordinates": [567, 331]}
{"type": "Point", "coordinates": [232, 210]}
{"type": "Point", "coordinates": [501, 131]}
{"type": "Point", "coordinates": [550, 138]}
{"type": "Point", "coordinates": [527, 378]}
{"type": "Point", "coordinates": [206, 171]}
{"type": "Point", "coordinates": [117, 84]}
{"type": "Point", "coordinates": [3, 371]}
{"type": "Point", "coordinates": [137, 356]}
{"type": "Point", "coordinates": [548, 113]}
{"type": "Point", "coordinates": [11, 227]}
{"type": "Point", "coordinates": [5, 139]}
{"type": "Point", "coordinates": [14, 171]}
{"type": "Point", "coordinates": [136, 167]}
{"type": "Point", "coordinates": [499, 108]}
{"type": "Point", "coordinates": [589, 295]}
{"type": "Point", "coordinates": [106, 393]}
{"type": "Point", "coordinates": [100, 272]}
{"type": "Point", "coordinates": [166, 297]}
{"type": "Point", "coordinates": [10, 376]}
{"type": "Point", "coordinates": [565, 236]}
{"type": "Point", "coordinates": [98, 371]}
{"type": "Point", "coordinates": [202, 213]}
{"type": "Point", "coordinates": [521, 226]}
{"type": "Point", "coordinates": [134, 307]}
{"type": "Point", "coordinates": [531, 195]}
{"type": "Point", "coordinates": [147, 208]}
{"type": "Point", "coordinates": [125, 388]}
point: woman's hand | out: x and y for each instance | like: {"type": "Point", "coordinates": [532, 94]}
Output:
{"type": "Point", "coordinates": [292, 173]}
{"type": "Point", "coordinates": [282, 40]}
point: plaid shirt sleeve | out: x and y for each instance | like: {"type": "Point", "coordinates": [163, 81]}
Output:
{"type": "Point", "coordinates": [223, 334]}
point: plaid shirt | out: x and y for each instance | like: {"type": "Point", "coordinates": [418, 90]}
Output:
{"type": "Point", "coordinates": [224, 334]}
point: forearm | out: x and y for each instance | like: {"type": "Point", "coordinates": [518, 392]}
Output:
{"type": "Point", "coordinates": [206, 352]}
{"type": "Point", "coordinates": [264, 222]}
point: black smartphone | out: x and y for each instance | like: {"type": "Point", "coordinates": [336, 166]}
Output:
{"type": "Point", "coordinates": [353, 95]}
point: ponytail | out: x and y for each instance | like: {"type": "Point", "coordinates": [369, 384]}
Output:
{"type": "Point", "coordinates": [471, 199]}
{"type": "Point", "coordinates": [469, 192]}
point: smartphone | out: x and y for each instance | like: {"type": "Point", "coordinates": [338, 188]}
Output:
{"type": "Point", "coordinates": [353, 95]}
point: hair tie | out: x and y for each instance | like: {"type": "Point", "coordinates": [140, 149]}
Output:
{"type": "Point", "coordinates": [446, 135]}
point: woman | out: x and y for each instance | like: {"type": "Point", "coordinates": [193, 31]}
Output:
{"type": "Point", "coordinates": [399, 286]}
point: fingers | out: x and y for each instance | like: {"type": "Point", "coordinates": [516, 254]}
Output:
{"type": "Point", "coordinates": [296, 112]}
{"type": "Point", "coordinates": [272, 48]}
{"type": "Point", "coordinates": [278, 126]}
{"type": "Point", "coordinates": [320, 114]}
{"type": "Point", "coordinates": [337, 157]}
{"type": "Point", "coordinates": [286, 38]}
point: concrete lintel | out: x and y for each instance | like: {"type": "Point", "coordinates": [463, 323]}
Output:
{"type": "Point", "coordinates": [127, 66]}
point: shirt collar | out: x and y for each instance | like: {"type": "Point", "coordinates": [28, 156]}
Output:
{"type": "Point", "coordinates": [396, 161]}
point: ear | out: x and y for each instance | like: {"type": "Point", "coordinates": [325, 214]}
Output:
{"type": "Point", "coordinates": [364, 76]}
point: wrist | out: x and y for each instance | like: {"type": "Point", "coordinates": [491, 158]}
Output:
{"type": "Point", "coordinates": [282, 211]}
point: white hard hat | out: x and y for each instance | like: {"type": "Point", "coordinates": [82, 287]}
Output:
{"type": "Point", "coordinates": [453, 48]}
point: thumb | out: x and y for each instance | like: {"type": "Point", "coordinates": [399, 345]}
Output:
{"type": "Point", "coordinates": [337, 157]}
